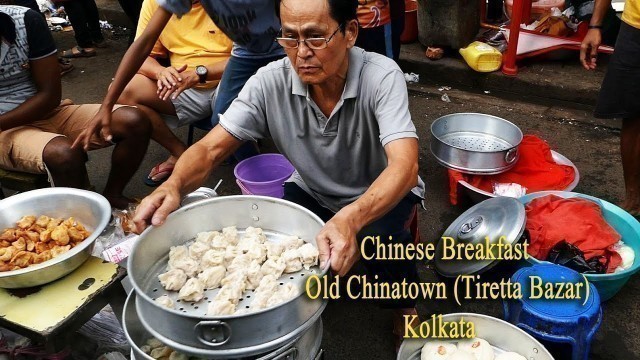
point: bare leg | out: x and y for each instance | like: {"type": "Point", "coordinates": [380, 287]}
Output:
{"type": "Point", "coordinates": [131, 131]}
{"type": "Point", "coordinates": [66, 165]}
{"type": "Point", "coordinates": [630, 150]}
{"type": "Point", "coordinates": [141, 92]}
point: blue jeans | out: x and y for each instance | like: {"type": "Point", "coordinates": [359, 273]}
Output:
{"type": "Point", "coordinates": [236, 74]}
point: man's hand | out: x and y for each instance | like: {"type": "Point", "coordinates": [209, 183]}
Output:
{"type": "Point", "coordinates": [169, 77]}
{"type": "Point", "coordinates": [337, 243]}
{"type": "Point", "coordinates": [589, 49]}
{"type": "Point", "coordinates": [189, 80]}
{"type": "Point", "coordinates": [100, 125]}
{"type": "Point", "coordinates": [155, 208]}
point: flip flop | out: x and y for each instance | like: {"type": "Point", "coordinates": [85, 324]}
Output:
{"type": "Point", "coordinates": [161, 172]}
{"type": "Point", "coordinates": [78, 53]}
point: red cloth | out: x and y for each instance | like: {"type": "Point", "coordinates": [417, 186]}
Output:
{"type": "Point", "coordinates": [551, 219]}
{"type": "Point", "coordinates": [535, 170]}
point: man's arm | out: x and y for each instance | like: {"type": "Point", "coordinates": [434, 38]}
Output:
{"type": "Point", "coordinates": [338, 237]}
{"type": "Point", "coordinates": [46, 76]}
{"type": "Point", "coordinates": [129, 66]}
{"type": "Point", "coordinates": [593, 39]}
{"type": "Point", "coordinates": [191, 170]}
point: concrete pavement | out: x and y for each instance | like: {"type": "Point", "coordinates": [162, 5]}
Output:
{"type": "Point", "coordinates": [358, 330]}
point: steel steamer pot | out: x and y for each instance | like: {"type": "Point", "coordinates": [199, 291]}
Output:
{"type": "Point", "coordinates": [475, 143]}
{"type": "Point", "coordinates": [305, 347]}
{"type": "Point", "coordinates": [188, 328]}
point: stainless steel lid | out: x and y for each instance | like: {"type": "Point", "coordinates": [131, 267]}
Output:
{"type": "Point", "coordinates": [202, 193]}
{"type": "Point", "coordinates": [492, 218]}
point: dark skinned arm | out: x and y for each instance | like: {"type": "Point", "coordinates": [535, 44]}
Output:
{"type": "Point", "coordinates": [46, 76]}
{"type": "Point", "coordinates": [129, 66]}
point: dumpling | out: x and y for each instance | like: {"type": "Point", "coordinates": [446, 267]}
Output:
{"type": "Point", "coordinates": [461, 355]}
{"type": "Point", "coordinates": [256, 233]}
{"type": "Point", "coordinates": [284, 293]}
{"type": "Point", "coordinates": [292, 260]}
{"type": "Point", "coordinates": [163, 351]}
{"type": "Point", "coordinates": [437, 350]}
{"type": "Point", "coordinates": [480, 348]}
{"type": "Point", "coordinates": [232, 292]}
{"type": "Point", "coordinates": [197, 250]}
{"type": "Point", "coordinates": [221, 307]}
{"type": "Point", "coordinates": [231, 235]}
{"type": "Point", "coordinates": [205, 237]}
{"type": "Point", "coordinates": [309, 255]}
{"type": "Point", "coordinates": [238, 276]}
{"type": "Point", "coordinates": [212, 258]}
{"type": "Point", "coordinates": [178, 356]}
{"type": "Point", "coordinates": [193, 290]}
{"type": "Point", "coordinates": [241, 262]}
{"type": "Point", "coordinates": [211, 277]}
{"type": "Point", "coordinates": [273, 267]}
{"type": "Point", "coordinates": [274, 250]}
{"type": "Point", "coordinates": [258, 253]}
{"type": "Point", "coordinates": [231, 252]}
{"type": "Point", "coordinates": [165, 301]}
{"type": "Point", "coordinates": [177, 253]}
{"type": "Point", "coordinates": [186, 264]}
{"type": "Point", "coordinates": [154, 343]}
{"type": "Point", "coordinates": [254, 275]}
{"type": "Point", "coordinates": [219, 242]}
{"type": "Point", "coordinates": [510, 356]}
{"type": "Point", "coordinates": [265, 290]}
{"type": "Point", "coordinates": [173, 279]}
{"type": "Point", "coordinates": [245, 244]}
{"type": "Point", "coordinates": [292, 242]}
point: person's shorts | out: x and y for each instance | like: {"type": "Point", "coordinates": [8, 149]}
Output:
{"type": "Point", "coordinates": [192, 105]}
{"type": "Point", "coordinates": [620, 92]}
{"type": "Point", "coordinates": [21, 148]}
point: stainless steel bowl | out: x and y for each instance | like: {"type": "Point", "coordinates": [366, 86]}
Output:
{"type": "Point", "coordinates": [478, 195]}
{"type": "Point", "coordinates": [89, 208]}
{"type": "Point", "coordinates": [190, 325]}
{"type": "Point", "coordinates": [500, 334]}
{"type": "Point", "coordinates": [475, 143]}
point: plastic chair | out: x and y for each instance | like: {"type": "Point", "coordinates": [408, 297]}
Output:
{"type": "Point", "coordinates": [21, 181]}
{"type": "Point", "coordinates": [573, 321]}
{"type": "Point", "coordinates": [203, 124]}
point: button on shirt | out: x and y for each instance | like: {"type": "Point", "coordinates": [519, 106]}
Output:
{"type": "Point", "coordinates": [339, 157]}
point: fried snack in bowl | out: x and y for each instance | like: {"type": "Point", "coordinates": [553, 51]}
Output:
{"type": "Point", "coordinates": [35, 240]}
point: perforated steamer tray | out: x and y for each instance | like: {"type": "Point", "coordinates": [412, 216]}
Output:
{"type": "Point", "coordinates": [153, 288]}
{"type": "Point", "coordinates": [475, 141]}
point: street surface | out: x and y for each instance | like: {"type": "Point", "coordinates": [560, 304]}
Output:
{"type": "Point", "coordinates": [358, 330]}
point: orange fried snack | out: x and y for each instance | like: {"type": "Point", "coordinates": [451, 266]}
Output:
{"type": "Point", "coordinates": [35, 240]}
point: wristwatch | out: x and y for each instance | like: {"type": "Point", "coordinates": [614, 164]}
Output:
{"type": "Point", "coordinates": [202, 72]}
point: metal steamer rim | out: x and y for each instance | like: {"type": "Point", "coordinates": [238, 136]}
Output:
{"type": "Point", "coordinates": [153, 288]}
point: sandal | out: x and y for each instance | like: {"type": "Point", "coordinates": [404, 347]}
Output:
{"type": "Point", "coordinates": [101, 44]}
{"type": "Point", "coordinates": [160, 172]}
{"type": "Point", "coordinates": [78, 52]}
{"type": "Point", "coordinates": [65, 66]}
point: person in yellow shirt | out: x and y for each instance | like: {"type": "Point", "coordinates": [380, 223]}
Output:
{"type": "Point", "coordinates": [620, 94]}
{"type": "Point", "coordinates": [183, 91]}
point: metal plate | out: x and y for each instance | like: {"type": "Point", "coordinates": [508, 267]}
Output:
{"type": "Point", "coordinates": [153, 288]}
{"type": "Point", "coordinates": [477, 195]}
{"type": "Point", "coordinates": [500, 334]}
{"type": "Point", "coordinates": [476, 141]}
{"type": "Point", "coordinates": [493, 218]}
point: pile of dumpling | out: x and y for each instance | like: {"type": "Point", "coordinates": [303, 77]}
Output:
{"type": "Point", "coordinates": [157, 350]}
{"type": "Point", "coordinates": [235, 264]}
{"type": "Point", "coordinates": [472, 349]}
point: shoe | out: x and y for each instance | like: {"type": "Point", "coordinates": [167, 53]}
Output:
{"type": "Point", "coordinates": [78, 52]}
{"type": "Point", "coordinates": [65, 66]}
{"type": "Point", "coordinates": [160, 172]}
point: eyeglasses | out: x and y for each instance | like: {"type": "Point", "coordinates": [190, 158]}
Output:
{"type": "Point", "coordinates": [312, 43]}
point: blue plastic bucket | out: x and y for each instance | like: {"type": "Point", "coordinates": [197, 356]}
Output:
{"type": "Point", "coordinates": [625, 224]}
{"type": "Point", "coordinates": [263, 174]}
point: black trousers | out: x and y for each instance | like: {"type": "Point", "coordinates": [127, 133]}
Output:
{"type": "Point", "coordinates": [392, 224]}
{"type": "Point", "coordinates": [132, 10]}
{"type": "Point", "coordinates": [83, 15]}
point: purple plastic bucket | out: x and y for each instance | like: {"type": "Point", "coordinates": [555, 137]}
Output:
{"type": "Point", "coordinates": [263, 174]}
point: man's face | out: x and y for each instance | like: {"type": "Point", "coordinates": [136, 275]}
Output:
{"type": "Point", "coordinates": [303, 19]}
